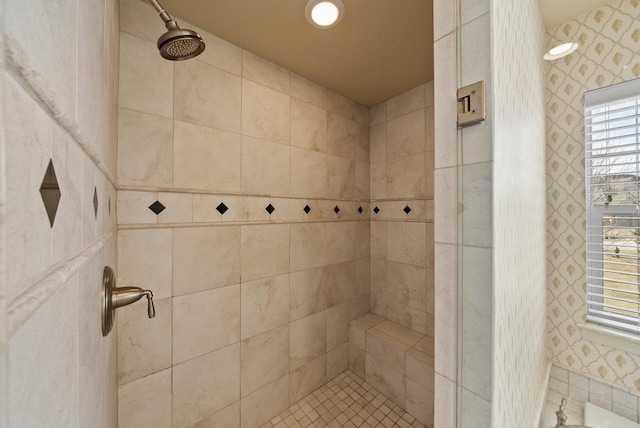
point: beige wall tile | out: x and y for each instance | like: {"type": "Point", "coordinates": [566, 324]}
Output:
{"type": "Point", "coordinates": [339, 283]}
{"type": "Point", "coordinates": [406, 177]}
{"type": "Point", "coordinates": [477, 218]}
{"type": "Point", "coordinates": [205, 158]}
{"type": "Point", "coordinates": [341, 241]}
{"type": "Point", "coordinates": [407, 285]}
{"type": "Point", "coordinates": [420, 402]}
{"type": "Point", "coordinates": [262, 405]}
{"type": "Point", "coordinates": [201, 263]}
{"type": "Point", "coordinates": [429, 191]}
{"type": "Point", "coordinates": [337, 360]}
{"type": "Point", "coordinates": [132, 207]}
{"type": "Point", "coordinates": [445, 211]}
{"type": "Point", "coordinates": [265, 72]}
{"type": "Point", "coordinates": [415, 319]}
{"type": "Point", "coordinates": [390, 382]}
{"type": "Point", "coordinates": [337, 325]}
{"type": "Point", "coordinates": [407, 102]}
{"type": "Point", "coordinates": [144, 345]}
{"type": "Point", "coordinates": [429, 130]}
{"type": "Point", "coordinates": [205, 321]}
{"type": "Point", "coordinates": [357, 360]}
{"type": "Point", "coordinates": [378, 143]}
{"type": "Point", "coordinates": [255, 206]}
{"type": "Point", "coordinates": [341, 177]}
{"type": "Point", "coordinates": [229, 417]}
{"type": "Point", "coordinates": [265, 113]}
{"type": "Point", "coordinates": [265, 304]}
{"type": "Point", "coordinates": [308, 339]}
{"type": "Point", "coordinates": [146, 402]}
{"type": "Point", "coordinates": [357, 336]}
{"type": "Point", "coordinates": [265, 251]}
{"type": "Point", "coordinates": [308, 173]}
{"type": "Point", "coordinates": [145, 149]}
{"type": "Point", "coordinates": [307, 294]}
{"type": "Point", "coordinates": [258, 177]}
{"type": "Point", "coordinates": [309, 91]}
{"type": "Point", "coordinates": [145, 260]}
{"type": "Point", "coordinates": [406, 135]}
{"type": "Point", "coordinates": [237, 209]}
{"type": "Point", "coordinates": [362, 239]}
{"type": "Point", "coordinates": [378, 239]}
{"type": "Point", "coordinates": [207, 96]}
{"type": "Point", "coordinates": [308, 126]}
{"type": "Point", "coordinates": [204, 208]}
{"type": "Point", "coordinates": [378, 114]}
{"type": "Point", "coordinates": [308, 245]}
{"type": "Point", "coordinates": [263, 359]}
{"type": "Point", "coordinates": [307, 378]}
{"type": "Point", "coordinates": [146, 79]}
{"type": "Point", "coordinates": [135, 20]}
{"type": "Point", "coordinates": [420, 372]}
{"type": "Point", "coordinates": [363, 181]}
{"type": "Point", "coordinates": [205, 385]}
{"type": "Point", "coordinates": [220, 53]}
{"type": "Point", "coordinates": [386, 349]}
{"type": "Point", "coordinates": [178, 207]}
{"type": "Point", "coordinates": [378, 180]}
{"type": "Point", "coordinates": [406, 243]}
{"type": "Point", "coordinates": [342, 136]}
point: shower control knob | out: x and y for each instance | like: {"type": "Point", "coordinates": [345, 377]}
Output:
{"type": "Point", "coordinates": [113, 298]}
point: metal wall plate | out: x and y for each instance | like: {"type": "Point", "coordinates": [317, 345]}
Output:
{"type": "Point", "coordinates": [108, 284]}
{"type": "Point", "coordinates": [471, 105]}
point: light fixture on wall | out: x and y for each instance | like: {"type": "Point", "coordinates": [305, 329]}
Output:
{"type": "Point", "coordinates": [324, 13]}
{"type": "Point", "coordinates": [560, 51]}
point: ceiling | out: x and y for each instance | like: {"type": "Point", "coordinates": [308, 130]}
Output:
{"type": "Point", "coordinates": [378, 50]}
{"type": "Point", "coordinates": [555, 12]}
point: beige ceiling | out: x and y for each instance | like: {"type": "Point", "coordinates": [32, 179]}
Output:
{"type": "Point", "coordinates": [556, 12]}
{"type": "Point", "coordinates": [380, 49]}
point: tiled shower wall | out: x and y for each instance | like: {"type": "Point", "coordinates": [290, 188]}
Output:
{"type": "Point", "coordinates": [402, 161]}
{"type": "Point", "coordinates": [59, 105]}
{"type": "Point", "coordinates": [257, 249]}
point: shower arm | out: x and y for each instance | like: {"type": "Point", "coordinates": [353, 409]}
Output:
{"type": "Point", "coordinates": [169, 22]}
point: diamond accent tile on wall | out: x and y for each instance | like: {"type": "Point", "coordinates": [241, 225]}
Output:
{"type": "Point", "coordinates": [222, 208]}
{"type": "Point", "coordinates": [609, 53]}
{"type": "Point", "coordinates": [50, 192]}
{"type": "Point", "coordinates": [157, 207]}
{"type": "Point", "coordinates": [270, 209]}
{"type": "Point", "coordinates": [95, 202]}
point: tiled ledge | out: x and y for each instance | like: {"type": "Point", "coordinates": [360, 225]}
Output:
{"type": "Point", "coordinates": [396, 360]}
{"type": "Point", "coordinates": [143, 207]}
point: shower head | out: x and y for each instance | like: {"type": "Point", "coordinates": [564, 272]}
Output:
{"type": "Point", "coordinates": [177, 44]}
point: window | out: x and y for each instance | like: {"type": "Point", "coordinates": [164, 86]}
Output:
{"type": "Point", "coordinates": [612, 162]}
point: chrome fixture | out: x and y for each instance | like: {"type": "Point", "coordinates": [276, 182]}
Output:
{"type": "Point", "coordinates": [113, 298]}
{"type": "Point", "coordinates": [177, 44]}
{"type": "Point", "coordinates": [562, 417]}
{"type": "Point", "coordinates": [471, 106]}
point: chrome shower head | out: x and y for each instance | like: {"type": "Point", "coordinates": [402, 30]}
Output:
{"type": "Point", "coordinates": [177, 44]}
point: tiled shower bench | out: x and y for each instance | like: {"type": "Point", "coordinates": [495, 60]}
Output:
{"type": "Point", "coordinates": [395, 360]}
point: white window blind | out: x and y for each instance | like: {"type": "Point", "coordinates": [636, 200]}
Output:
{"type": "Point", "coordinates": [612, 161]}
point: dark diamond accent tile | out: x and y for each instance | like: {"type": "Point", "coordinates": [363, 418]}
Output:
{"type": "Point", "coordinates": [222, 208]}
{"type": "Point", "coordinates": [157, 207]}
{"type": "Point", "coordinates": [109, 204]}
{"type": "Point", "coordinates": [306, 209]}
{"type": "Point", "coordinates": [336, 209]}
{"type": "Point", "coordinates": [95, 202]}
{"type": "Point", "coordinates": [270, 209]}
{"type": "Point", "coordinates": [50, 192]}
{"type": "Point", "coordinates": [376, 210]}
{"type": "Point", "coordinates": [360, 210]}
{"type": "Point", "coordinates": [407, 209]}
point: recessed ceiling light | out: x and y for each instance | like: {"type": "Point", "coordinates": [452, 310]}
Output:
{"type": "Point", "coordinates": [324, 13]}
{"type": "Point", "coordinates": [560, 51]}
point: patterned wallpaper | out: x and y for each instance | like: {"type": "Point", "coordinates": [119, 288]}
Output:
{"type": "Point", "coordinates": [609, 53]}
{"type": "Point", "coordinates": [519, 213]}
